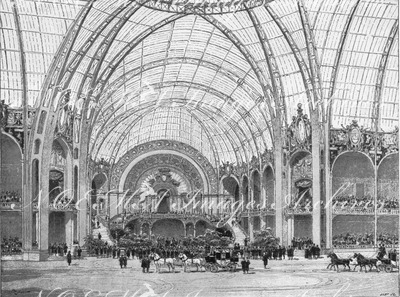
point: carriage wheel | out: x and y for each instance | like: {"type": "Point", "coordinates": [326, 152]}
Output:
{"type": "Point", "coordinates": [388, 268]}
{"type": "Point", "coordinates": [214, 268]}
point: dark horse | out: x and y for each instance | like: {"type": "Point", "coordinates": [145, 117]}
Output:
{"type": "Point", "coordinates": [336, 261]}
{"type": "Point", "coordinates": [364, 262]}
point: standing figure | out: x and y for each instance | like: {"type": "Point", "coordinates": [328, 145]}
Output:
{"type": "Point", "coordinates": [69, 258]}
{"type": "Point", "coordinates": [245, 265]}
{"type": "Point", "coordinates": [265, 260]}
{"type": "Point", "coordinates": [123, 261]}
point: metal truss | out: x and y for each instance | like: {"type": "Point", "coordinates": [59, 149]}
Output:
{"type": "Point", "coordinates": [313, 60]}
{"type": "Point", "coordinates": [296, 52]}
{"type": "Point", "coordinates": [338, 58]}
{"type": "Point", "coordinates": [381, 75]}
{"type": "Point", "coordinates": [276, 78]}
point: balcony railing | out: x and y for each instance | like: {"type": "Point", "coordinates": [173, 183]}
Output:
{"type": "Point", "coordinates": [123, 218]}
{"type": "Point", "coordinates": [365, 211]}
{"type": "Point", "coordinates": [10, 205]}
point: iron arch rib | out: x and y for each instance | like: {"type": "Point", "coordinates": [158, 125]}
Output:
{"type": "Point", "coordinates": [275, 75]}
{"type": "Point", "coordinates": [338, 58]}
{"type": "Point", "coordinates": [381, 74]}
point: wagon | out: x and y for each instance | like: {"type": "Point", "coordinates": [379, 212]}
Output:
{"type": "Point", "coordinates": [222, 260]}
{"type": "Point", "coordinates": [388, 265]}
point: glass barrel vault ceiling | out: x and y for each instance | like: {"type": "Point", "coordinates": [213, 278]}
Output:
{"type": "Point", "coordinates": [204, 79]}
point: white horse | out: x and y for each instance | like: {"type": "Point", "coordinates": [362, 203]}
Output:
{"type": "Point", "coordinates": [159, 262]}
{"type": "Point", "coordinates": [198, 262]}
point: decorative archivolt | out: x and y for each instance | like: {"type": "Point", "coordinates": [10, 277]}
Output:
{"type": "Point", "coordinates": [170, 170]}
{"type": "Point", "coordinates": [162, 145]}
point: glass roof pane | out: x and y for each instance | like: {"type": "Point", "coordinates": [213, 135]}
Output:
{"type": "Point", "coordinates": [188, 82]}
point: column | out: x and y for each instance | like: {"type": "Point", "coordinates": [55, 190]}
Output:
{"type": "Point", "coordinates": [37, 226]}
{"type": "Point", "coordinates": [278, 181]}
{"type": "Point", "coordinates": [27, 210]}
{"type": "Point", "coordinates": [97, 203]}
{"type": "Point", "coordinates": [251, 225]}
{"type": "Point", "coordinates": [328, 190]}
{"type": "Point", "coordinates": [113, 204]}
{"type": "Point", "coordinates": [316, 183]}
{"type": "Point", "coordinates": [84, 199]}
{"type": "Point", "coordinates": [43, 235]}
{"type": "Point", "coordinates": [290, 233]}
{"type": "Point", "coordinates": [108, 204]}
{"type": "Point", "coordinates": [69, 228]}
{"type": "Point", "coordinates": [263, 194]}
{"type": "Point", "coordinates": [290, 218]}
{"type": "Point", "coordinates": [263, 221]}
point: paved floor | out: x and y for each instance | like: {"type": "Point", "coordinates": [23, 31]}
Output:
{"type": "Point", "coordinates": [103, 277]}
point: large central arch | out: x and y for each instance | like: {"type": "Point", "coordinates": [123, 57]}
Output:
{"type": "Point", "coordinates": [140, 152]}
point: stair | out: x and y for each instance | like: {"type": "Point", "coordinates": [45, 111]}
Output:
{"type": "Point", "coordinates": [103, 230]}
{"type": "Point", "coordinates": [238, 231]}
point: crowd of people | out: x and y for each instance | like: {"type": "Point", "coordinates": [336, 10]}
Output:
{"type": "Point", "coordinates": [61, 249]}
{"type": "Point", "coordinates": [10, 196]}
{"type": "Point", "coordinates": [58, 249]}
{"type": "Point", "coordinates": [301, 242]}
{"type": "Point", "coordinates": [366, 202]}
{"type": "Point", "coordinates": [363, 239]}
{"type": "Point", "coordinates": [61, 201]}
{"type": "Point", "coordinates": [11, 245]}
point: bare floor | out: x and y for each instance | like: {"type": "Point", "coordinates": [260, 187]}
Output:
{"type": "Point", "coordinates": [103, 277]}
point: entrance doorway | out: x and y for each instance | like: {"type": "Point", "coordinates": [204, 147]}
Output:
{"type": "Point", "coordinates": [163, 207]}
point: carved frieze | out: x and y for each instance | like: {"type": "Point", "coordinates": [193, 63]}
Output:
{"type": "Point", "coordinates": [390, 142]}
{"type": "Point", "coordinates": [302, 169]}
{"type": "Point", "coordinates": [12, 121]}
{"type": "Point", "coordinates": [267, 157]}
{"type": "Point", "coordinates": [227, 169]}
{"type": "Point", "coordinates": [240, 169]}
{"type": "Point", "coordinates": [164, 176]}
{"type": "Point", "coordinates": [99, 166]}
{"type": "Point", "coordinates": [357, 138]}
{"type": "Point", "coordinates": [254, 163]}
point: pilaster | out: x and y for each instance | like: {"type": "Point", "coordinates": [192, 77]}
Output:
{"type": "Point", "coordinates": [279, 195]}
{"type": "Point", "coordinates": [316, 181]}
{"type": "Point", "coordinates": [251, 228]}
{"type": "Point", "coordinates": [328, 190]}
{"type": "Point", "coordinates": [27, 210]}
{"type": "Point", "coordinates": [69, 228]}
{"type": "Point", "coordinates": [263, 221]}
{"type": "Point", "coordinates": [290, 233]}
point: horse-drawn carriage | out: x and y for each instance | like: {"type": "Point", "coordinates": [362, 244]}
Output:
{"type": "Point", "coordinates": [389, 264]}
{"type": "Point", "coordinates": [379, 262]}
{"type": "Point", "coordinates": [222, 260]}
{"type": "Point", "coordinates": [123, 259]}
